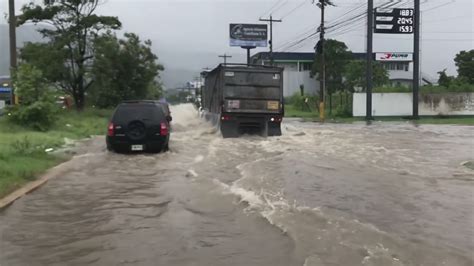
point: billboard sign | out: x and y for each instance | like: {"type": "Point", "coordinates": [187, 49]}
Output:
{"type": "Point", "coordinates": [394, 21]}
{"type": "Point", "coordinates": [248, 35]}
{"type": "Point", "coordinates": [398, 57]}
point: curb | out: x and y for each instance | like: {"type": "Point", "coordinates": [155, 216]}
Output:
{"type": "Point", "coordinates": [33, 185]}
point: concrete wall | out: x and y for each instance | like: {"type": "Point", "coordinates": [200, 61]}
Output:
{"type": "Point", "coordinates": [400, 104]}
{"type": "Point", "coordinates": [293, 79]}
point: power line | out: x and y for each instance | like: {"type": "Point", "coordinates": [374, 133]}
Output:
{"type": "Point", "coordinates": [356, 21]}
{"type": "Point", "coordinates": [294, 9]}
{"type": "Point", "coordinates": [310, 30]}
{"type": "Point", "coordinates": [302, 40]}
{"type": "Point", "coordinates": [360, 16]}
{"type": "Point", "coordinates": [276, 9]}
{"type": "Point", "coordinates": [306, 32]}
{"type": "Point", "coordinates": [271, 8]}
{"type": "Point", "coordinates": [340, 25]}
{"type": "Point", "coordinates": [448, 18]}
{"type": "Point", "coordinates": [438, 6]}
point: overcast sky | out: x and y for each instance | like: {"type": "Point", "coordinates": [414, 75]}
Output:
{"type": "Point", "coordinates": [189, 35]}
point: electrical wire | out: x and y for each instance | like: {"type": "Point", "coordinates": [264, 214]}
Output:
{"type": "Point", "coordinates": [271, 8]}
{"type": "Point", "coordinates": [294, 9]}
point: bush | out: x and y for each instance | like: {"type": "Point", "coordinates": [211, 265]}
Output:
{"type": "Point", "coordinates": [299, 102]}
{"type": "Point", "coordinates": [461, 85]}
{"type": "Point", "coordinates": [343, 111]}
{"type": "Point", "coordinates": [39, 115]}
{"type": "Point", "coordinates": [455, 85]}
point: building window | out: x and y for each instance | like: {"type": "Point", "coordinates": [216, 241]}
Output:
{"type": "Point", "coordinates": [305, 66]}
{"type": "Point", "coordinates": [400, 66]}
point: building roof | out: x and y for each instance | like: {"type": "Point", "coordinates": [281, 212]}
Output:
{"type": "Point", "coordinates": [294, 56]}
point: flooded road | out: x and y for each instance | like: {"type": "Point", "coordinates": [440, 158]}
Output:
{"type": "Point", "coordinates": [385, 194]}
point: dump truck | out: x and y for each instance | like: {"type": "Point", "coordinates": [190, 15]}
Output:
{"type": "Point", "coordinates": [244, 99]}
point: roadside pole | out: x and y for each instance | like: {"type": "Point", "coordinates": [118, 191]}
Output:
{"type": "Point", "coordinates": [368, 92]}
{"type": "Point", "coordinates": [225, 56]}
{"type": "Point", "coordinates": [271, 20]}
{"type": "Point", "coordinates": [13, 56]}
{"type": "Point", "coordinates": [248, 52]}
{"type": "Point", "coordinates": [398, 21]}
{"type": "Point", "coordinates": [416, 59]}
{"type": "Point", "coordinates": [322, 79]}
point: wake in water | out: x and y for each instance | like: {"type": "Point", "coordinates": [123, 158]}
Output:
{"type": "Point", "coordinates": [315, 199]}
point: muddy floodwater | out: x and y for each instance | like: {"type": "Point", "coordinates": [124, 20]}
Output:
{"type": "Point", "coordinates": [332, 194]}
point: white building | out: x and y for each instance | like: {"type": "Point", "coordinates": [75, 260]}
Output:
{"type": "Point", "coordinates": [400, 68]}
{"type": "Point", "coordinates": [297, 69]}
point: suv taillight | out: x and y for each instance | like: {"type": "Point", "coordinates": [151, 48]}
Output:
{"type": "Point", "coordinates": [110, 130]}
{"type": "Point", "coordinates": [163, 129]}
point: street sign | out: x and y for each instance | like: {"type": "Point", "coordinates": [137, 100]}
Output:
{"type": "Point", "coordinates": [394, 21]}
{"type": "Point", "coordinates": [398, 57]}
{"type": "Point", "coordinates": [248, 35]}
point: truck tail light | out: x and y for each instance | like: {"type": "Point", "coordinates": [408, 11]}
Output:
{"type": "Point", "coordinates": [110, 130]}
{"type": "Point", "coordinates": [225, 117]}
{"type": "Point", "coordinates": [163, 129]}
{"type": "Point", "coordinates": [276, 119]}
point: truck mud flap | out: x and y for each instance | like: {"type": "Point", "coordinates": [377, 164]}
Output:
{"type": "Point", "coordinates": [274, 129]}
{"type": "Point", "coordinates": [229, 130]}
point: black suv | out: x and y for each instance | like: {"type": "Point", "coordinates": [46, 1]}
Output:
{"type": "Point", "coordinates": [138, 126]}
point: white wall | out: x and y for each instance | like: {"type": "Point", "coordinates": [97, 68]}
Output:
{"type": "Point", "coordinates": [293, 79]}
{"type": "Point", "coordinates": [400, 104]}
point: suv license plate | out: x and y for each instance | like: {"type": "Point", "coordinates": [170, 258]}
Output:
{"type": "Point", "coordinates": [137, 147]}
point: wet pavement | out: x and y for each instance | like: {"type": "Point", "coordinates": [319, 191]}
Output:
{"type": "Point", "coordinates": [333, 194]}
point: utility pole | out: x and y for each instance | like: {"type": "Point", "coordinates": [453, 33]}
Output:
{"type": "Point", "coordinates": [322, 72]}
{"type": "Point", "coordinates": [416, 59]}
{"type": "Point", "coordinates": [13, 60]}
{"type": "Point", "coordinates": [271, 20]}
{"type": "Point", "coordinates": [225, 56]}
{"type": "Point", "coordinates": [370, 35]}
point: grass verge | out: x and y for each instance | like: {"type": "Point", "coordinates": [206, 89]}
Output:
{"type": "Point", "coordinates": [291, 111]}
{"type": "Point", "coordinates": [22, 150]}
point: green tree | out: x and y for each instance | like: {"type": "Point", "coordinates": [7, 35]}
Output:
{"type": "Point", "coordinates": [355, 73]}
{"type": "Point", "coordinates": [71, 28]}
{"type": "Point", "coordinates": [464, 61]}
{"type": "Point", "coordinates": [337, 55]}
{"type": "Point", "coordinates": [444, 80]}
{"type": "Point", "coordinates": [29, 84]}
{"type": "Point", "coordinates": [36, 108]}
{"type": "Point", "coordinates": [49, 59]}
{"type": "Point", "coordinates": [125, 69]}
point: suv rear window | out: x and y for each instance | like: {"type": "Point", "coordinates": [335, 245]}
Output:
{"type": "Point", "coordinates": [126, 113]}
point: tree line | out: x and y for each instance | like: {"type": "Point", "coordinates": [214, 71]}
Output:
{"type": "Point", "coordinates": [344, 73]}
{"type": "Point", "coordinates": [82, 57]}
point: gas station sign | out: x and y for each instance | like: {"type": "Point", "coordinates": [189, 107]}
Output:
{"type": "Point", "coordinates": [394, 21]}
